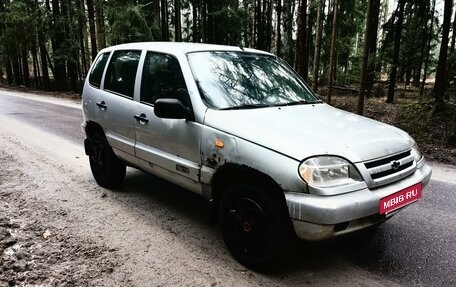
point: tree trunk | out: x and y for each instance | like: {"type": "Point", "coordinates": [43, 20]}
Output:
{"type": "Point", "coordinates": [397, 42]}
{"type": "Point", "coordinates": [195, 30]}
{"type": "Point", "coordinates": [72, 61]}
{"type": "Point", "coordinates": [93, 36]}
{"type": "Point", "coordinates": [58, 49]}
{"type": "Point", "coordinates": [85, 37]}
{"type": "Point", "coordinates": [36, 78]}
{"type": "Point", "coordinates": [204, 21]}
{"type": "Point", "coordinates": [210, 27]}
{"type": "Point", "coordinates": [82, 37]}
{"type": "Point", "coordinates": [153, 18]}
{"type": "Point", "coordinates": [287, 24]}
{"type": "Point", "coordinates": [99, 25]}
{"type": "Point", "coordinates": [258, 20]}
{"type": "Point", "coordinates": [17, 70]}
{"type": "Point", "coordinates": [424, 20]}
{"type": "Point", "coordinates": [311, 17]}
{"type": "Point", "coordinates": [428, 50]}
{"type": "Point", "coordinates": [440, 77]}
{"type": "Point", "coordinates": [332, 56]}
{"type": "Point", "coordinates": [164, 20]}
{"type": "Point", "coordinates": [453, 37]}
{"type": "Point", "coordinates": [269, 25]}
{"type": "Point", "coordinates": [279, 28]}
{"type": "Point", "coordinates": [44, 62]}
{"type": "Point", "coordinates": [373, 46]}
{"type": "Point", "coordinates": [25, 67]}
{"type": "Point", "coordinates": [9, 72]}
{"type": "Point", "coordinates": [318, 35]}
{"type": "Point", "coordinates": [177, 21]}
{"type": "Point", "coordinates": [293, 47]}
{"type": "Point", "coordinates": [250, 29]}
{"type": "Point", "coordinates": [302, 40]}
{"type": "Point", "coordinates": [370, 25]}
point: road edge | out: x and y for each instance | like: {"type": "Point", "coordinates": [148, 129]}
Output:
{"type": "Point", "coordinates": [67, 102]}
{"type": "Point", "coordinates": [443, 172]}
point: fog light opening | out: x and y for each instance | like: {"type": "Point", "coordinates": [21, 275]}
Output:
{"type": "Point", "coordinates": [341, 226]}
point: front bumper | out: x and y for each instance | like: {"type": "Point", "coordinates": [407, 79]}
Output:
{"type": "Point", "coordinates": [317, 217]}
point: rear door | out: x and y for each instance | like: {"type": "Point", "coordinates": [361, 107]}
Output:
{"type": "Point", "coordinates": [115, 102]}
{"type": "Point", "coordinates": [167, 147]}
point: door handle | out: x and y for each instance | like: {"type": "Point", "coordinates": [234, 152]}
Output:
{"type": "Point", "coordinates": [102, 105]}
{"type": "Point", "coordinates": [142, 118]}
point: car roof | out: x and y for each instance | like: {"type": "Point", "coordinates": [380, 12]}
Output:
{"type": "Point", "coordinates": [179, 47]}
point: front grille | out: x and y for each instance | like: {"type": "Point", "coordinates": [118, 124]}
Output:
{"type": "Point", "coordinates": [391, 168]}
{"type": "Point", "coordinates": [391, 171]}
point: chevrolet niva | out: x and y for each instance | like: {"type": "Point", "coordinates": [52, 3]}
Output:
{"type": "Point", "coordinates": [239, 127]}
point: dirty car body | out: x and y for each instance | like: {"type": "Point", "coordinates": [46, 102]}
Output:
{"type": "Point", "coordinates": [241, 128]}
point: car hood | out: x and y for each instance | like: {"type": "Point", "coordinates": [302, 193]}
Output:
{"type": "Point", "coordinates": [306, 130]}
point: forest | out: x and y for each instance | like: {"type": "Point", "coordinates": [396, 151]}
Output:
{"type": "Point", "coordinates": [375, 49]}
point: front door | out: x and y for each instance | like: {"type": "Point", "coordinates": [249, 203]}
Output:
{"type": "Point", "coordinates": [167, 147]}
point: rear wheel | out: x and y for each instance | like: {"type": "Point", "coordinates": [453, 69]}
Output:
{"type": "Point", "coordinates": [255, 225]}
{"type": "Point", "coordinates": [107, 169]}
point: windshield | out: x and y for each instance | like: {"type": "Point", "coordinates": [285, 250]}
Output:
{"type": "Point", "coordinates": [231, 80]}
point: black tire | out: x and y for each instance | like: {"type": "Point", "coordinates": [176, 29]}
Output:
{"type": "Point", "coordinates": [107, 169]}
{"type": "Point", "coordinates": [255, 225]}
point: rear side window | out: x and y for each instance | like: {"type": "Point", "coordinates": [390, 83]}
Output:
{"type": "Point", "coordinates": [121, 73]}
{"type": "Point", "coordinates": [98, 68]}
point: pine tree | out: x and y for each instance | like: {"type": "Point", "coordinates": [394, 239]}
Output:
{"type": "Point", "coordinates": [318, 35]}
{"type": "Point", "coordinates": [371, 26]}
{"type": "Point", "coordinates": [399, 15]}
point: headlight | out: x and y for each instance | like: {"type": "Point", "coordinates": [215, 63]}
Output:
{"type": "Point", "coordinates": [328, 172]}
{"type": "Point", "coordinates": [416, 152]}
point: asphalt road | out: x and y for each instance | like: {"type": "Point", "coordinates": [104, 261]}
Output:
{"type": "Point", "coordinates": [416, 247]}
{"type": "Point", "coordinates": [63, 120]}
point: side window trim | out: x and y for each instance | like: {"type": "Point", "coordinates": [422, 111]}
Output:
{"type": "Point", "coordinates": [139, 76]}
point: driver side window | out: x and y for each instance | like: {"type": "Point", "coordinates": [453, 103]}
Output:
{"type": "Point", "coordinates": [162, 78]}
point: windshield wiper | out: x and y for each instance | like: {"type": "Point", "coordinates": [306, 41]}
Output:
{"type": "Point", "coordinates": [301, 102]}
{"type": "Point", "coordinates": [247, 106]}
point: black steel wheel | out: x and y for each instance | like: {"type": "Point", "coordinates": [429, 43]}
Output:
{"type": "Point", "coordinates": [107, 169]}
{"type": "Point", "coordinates": [254, 225]}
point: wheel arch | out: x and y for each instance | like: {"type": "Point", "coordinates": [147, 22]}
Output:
{"type": "Point", "coordinates": [93, 128]}
{"type": "Point", "coordinates": [230, 173]}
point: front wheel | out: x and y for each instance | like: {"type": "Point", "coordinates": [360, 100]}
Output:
{"type": "Point", "coordinates": [107, 169]}
{"type": "Point", "coordinates": [255, 225]}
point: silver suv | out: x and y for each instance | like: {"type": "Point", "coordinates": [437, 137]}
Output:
{"type": "Point", "coordinates": [242, 129]}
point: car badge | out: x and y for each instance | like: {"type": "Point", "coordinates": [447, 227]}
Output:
{"type": "Point", "coordinates": [395, 165]}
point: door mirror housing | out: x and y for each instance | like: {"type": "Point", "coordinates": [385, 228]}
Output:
{"type": "Point", "coordinates": [170, 109]}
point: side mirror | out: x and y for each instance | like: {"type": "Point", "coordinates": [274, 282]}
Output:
{"type": "Point", "coordinates": [170, 109]}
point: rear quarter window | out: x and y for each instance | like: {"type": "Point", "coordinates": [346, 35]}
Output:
{"type": "Point", "coordinates": [97, 70]}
